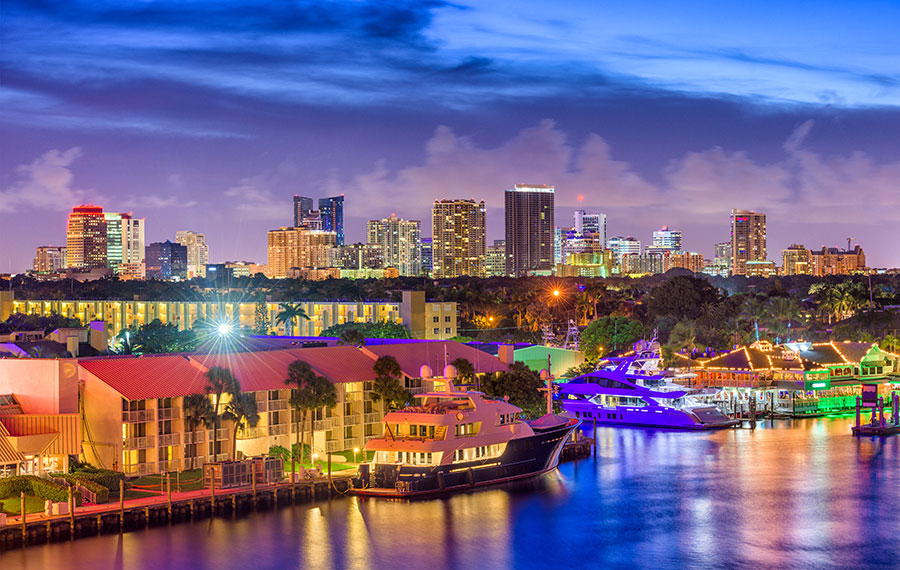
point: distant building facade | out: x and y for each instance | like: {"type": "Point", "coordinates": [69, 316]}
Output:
{"type": "Point", "coordinates": [400, 242]}
{"type": "Point", "coordinates": [427, 256]}
{"type": "Point", "coordinates": [529, 212]}
{"type": "Point", "coordinates": [298, 248]}
{"type": "Point", "coordinates": [495, 259]}
{"type": "Point", "coordinates": [748, 239]}
{"type": "Point", "coordinates": [667, 240]}
{"type": "Point", "coordinates": [331, 211]}
{"type": "Point", "coordinates": [458, 234]}
{"type": "Point", "coordinates": [86, 238]}
{"type": "Point", "coordinates": [302, 207]}
{"type": "Point", "coordinates": [586, 223]}
{"type": "Point", "coordinates": [622, 246]}
{"type": "Point", "coordinates": [166, 260]}
{"type": "Point", "coordinates": [835, 261]}
{"type": "Point", "coordinates": [197, 252]}
{"type": "Point", "coordinates": [796, 260]}
{"type": "Point", "coordinates": [49, 259]}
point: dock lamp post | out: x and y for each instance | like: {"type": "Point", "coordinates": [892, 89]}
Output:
{"type": "Point", "coordinates": [355, 451]}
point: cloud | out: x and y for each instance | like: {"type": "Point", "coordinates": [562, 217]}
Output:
{"type": "Point", "coordinates": [47, 183]}
{"type": "Point", "coordinates": [695, 187]}
{"type": "Point", "coordinates": [258, 198]}
{"type": "Point", "coordinates": [157, 203]}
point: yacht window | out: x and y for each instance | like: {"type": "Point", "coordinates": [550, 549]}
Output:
{"type": "Point", "coordinates": [413, 429]}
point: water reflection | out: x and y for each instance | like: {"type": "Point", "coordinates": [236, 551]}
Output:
{"type": "Point", "coordinates": [790, 494]}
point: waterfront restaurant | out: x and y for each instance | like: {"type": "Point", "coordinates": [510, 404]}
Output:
{"type": "Point", "coordinates": [800, 374]}
{"type": "Point", "coordinates": [134, 415]}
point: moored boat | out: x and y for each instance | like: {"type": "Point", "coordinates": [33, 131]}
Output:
{"type": "Point", "coordinates": [456, 441]}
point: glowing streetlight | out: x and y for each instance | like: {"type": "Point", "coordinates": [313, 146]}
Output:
{"type": "Point", "coordinates": [224, 329]}
{"type": "Point", "coordinates": [556, 293]}
{"type": "Point", "coordinates": [355, 451]}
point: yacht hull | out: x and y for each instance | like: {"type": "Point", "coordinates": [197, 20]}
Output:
{"type": "Point", "coordinates": [659, 417]}
{"type": "Point", "coordinates": [523, 458]}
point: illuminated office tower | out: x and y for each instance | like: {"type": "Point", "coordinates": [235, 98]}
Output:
{"type": "Point", "coordinates": [331, 211]}
{"type": "Point", "coordinates": [748, 239]}
{"type": "Point", "coordinates": [86, 237]}
{"type": "Point", "coordinates": [665, 239]}
{"type": "Point", "coordinates": [197, 252]}
{"type": "Point", "coordinates": [622, 246]}
{"type": "Point", "coordinates": [400, 241]}
{"type": "Point", "coordinates": [302, 207]}
{"type": "Point", "coordinates": [298, 248]}
{"type": "Point", "coordinates": [458, 238]}
{"type": "Point", "coordinates": [166, 260]}
{"type": "Point", "coordinates": [124, 239]}
{"type": "Point", "coordinates": [529, 230]}
{"type": "Point", "coordinates": [427, 256]}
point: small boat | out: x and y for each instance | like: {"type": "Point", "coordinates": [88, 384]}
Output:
{"type": "Point", "coordinates": [457, 441]}
{"type": "Point", "coordinates": [633, 395]}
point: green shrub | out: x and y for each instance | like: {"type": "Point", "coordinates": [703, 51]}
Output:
{"type": "Point", "coordinates": [99, 490]}
{"type": "Point", "coordinates": [31, 485]}
{"type": "Point", "coordinates": [105, 477]}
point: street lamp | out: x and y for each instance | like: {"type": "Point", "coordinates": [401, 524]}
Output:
{"type": "Point", "coordinates": [355, 451]}
{"type": "Point", "coordinates": [224, 329]}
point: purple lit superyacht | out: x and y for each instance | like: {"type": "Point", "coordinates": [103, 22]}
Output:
{"type": "Point", "coordinates": [634, 392]}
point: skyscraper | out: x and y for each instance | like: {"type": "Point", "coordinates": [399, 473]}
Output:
{"type": "Point", "coordinates": [197, 252]}
{"type": "Point", "coordinates": [748, 239]}
{"type": "Point", "coordinates": [166, 260]}
{"type": "Point", "coordinates": [796, 260]}
{"type": "Point", "coordinates": [590, 224]}
{"type": "Point", "coordinates": [529, 229]}
{"type": "Point", "coordinates": [427, 256]}
{"type": "Point", "coordinates": [49, 259]}
{"type": "Point", "coordinates": [401, 242]}
{"type": "Point", "coordinates": [458, 229]}
{"type": "Point", "coordinates": [86, 237]}
{"type": "Point", "coordinates": [665, 239]}
{"type": "Point", "coordinates": [332, 213]}
{"type": "Point", "coordinates": [302, 248]}
{"type": "Point", "coordinates": [302, 207]}
{"type": "Point", "coordinates": [622, 246]}
{"type": "Point", "coordinates": [124, 239]}
{"type": "Point", "coordinates": [495, 259]}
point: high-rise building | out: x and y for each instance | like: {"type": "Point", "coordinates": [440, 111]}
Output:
{"type": "Point", "coordinates": [458, 230]}
{"type": "Point", "coordinates": [49, 259]}
{"type": "Point", "coordinates": [590, 224]}
{"type": "Point", "coordinates": [401, 242]}
{"type": "Point", "coordinates": [689, 260]}
{"type": "Point", "coordinates": [86, 238]}
{"type": "Point", "coordinates": [795, 260]}
{"type": "Point", "coordinates": [560, 235]}
{"type": "Point", "coordinates": [197, 252]}
{"type": "Point", "coordinates": [623, 246]}
{"type": "Point", "coordinates": [124, 239]}
{"type": "Point", "coordinates": [529, 229]}
{"type": "Point", "coordinates": [302, 207]}
{"type": "Point", "coordinates": [357, 256]}
{"type": "Point", "coordinates": [427, 256]}
{"type": "Point", "coordinates": [332, 213]}
{"type": "Point", "coordinates": [748, 239]}
{"type": "Point", "coordinates": [166, 260]}
{"type": "Point", "coordinates": [835, 261]}
{"type": "Point", "coordinates": [665, 239]}
{"type": "Point", "coordinates": [495, 259]}
{"type": "Point", "coordinates": [298, 248]}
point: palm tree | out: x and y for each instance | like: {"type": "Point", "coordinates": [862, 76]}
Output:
{"type": "Point", "coordinates": [198, 410]}
{"type": "Point", "coordinates": [465, 371]}
{"type": "Point", "coordinates": [783, 310]}
{"type": "Point", "coordinates": [310, 392]}
{"type": "Point", "coordinates": [219, 380]}
{"type": "Point", "coordinates": [890, 343]}
{"type": "Point", "coordinates": [387, 385]}
{"type": "Point", "coordinates": [684, 337]}
{"type": "Point", "coordinates": [288, 314]}
{"type": "Point", "coordinates": [352, 337]}
{"type": "Point", "coordinates": [240, 410]}
{"type": "Point", "coordinates": [753, 310]}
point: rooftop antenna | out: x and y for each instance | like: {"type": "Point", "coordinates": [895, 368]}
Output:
{"type": "Point", "coordinates": [850, 239]}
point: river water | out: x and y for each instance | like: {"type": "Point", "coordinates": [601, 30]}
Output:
{"type": "Point", "coordinates": [790, 494]}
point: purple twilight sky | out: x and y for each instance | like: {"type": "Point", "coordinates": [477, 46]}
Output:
{"type": "Point", "coordinates": [209, 116]}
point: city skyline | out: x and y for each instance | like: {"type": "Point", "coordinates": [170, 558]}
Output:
{"type": "Point", "coordinates": [174, 113]}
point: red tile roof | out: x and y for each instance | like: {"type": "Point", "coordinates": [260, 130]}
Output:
{"type": "Point", "coordinates": [267, 370]}
{"type": "Point", "coordinates": [412, 356]}
{"type": "Point", "coordinates": [141, 378]}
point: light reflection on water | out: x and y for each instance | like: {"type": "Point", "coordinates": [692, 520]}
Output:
{"type": "Point", "coordinates": [791, 494]}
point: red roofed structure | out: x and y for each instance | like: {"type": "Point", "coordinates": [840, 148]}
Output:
{"type": "Point", "coordinates": [436, 354]}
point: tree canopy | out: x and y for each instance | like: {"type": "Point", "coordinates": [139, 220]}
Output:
{"type": "Point", "coordinates": [521, 384]}
{"type": "Point", "coordinates": [383, 329]}
{"type": "Point", "coordinates": [606, 334]}
{"type": "Point", "coordinates": [681, 297]}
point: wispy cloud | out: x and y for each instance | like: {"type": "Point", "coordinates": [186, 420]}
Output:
{"type": "Point", "coordinates": [45, 183]}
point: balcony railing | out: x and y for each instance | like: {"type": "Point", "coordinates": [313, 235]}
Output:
{"type": "Point", "coordinates": [194, 462]}
{"type": "Point", "coordinates": [167, 439]}
{"type": "Point", "coordinates": [262, 405]}
{"type": "Point", "coordinates": [252, 433]}
{"type": "Point", "coordinates": [194, 437]}
{"type": "Point", "coordinates": [140, 469]}
{"type": "Point", "coordinates": [372, 418]}
{"type": "Point", "coordinates": [353, 420]}
{"type": "Point", "coordinates": [145, 442]}
{"type": "Point", "coordinates": [334, 445]}
{"type": "Point", "coordinates": [322, 425]}
{"type": "Point", "coordinates": [169, 413]}
{"type": "Point", "coordinates": [223, 457]}
{"type": "Point", "coordinates": [276, 405]}
{"type": "Point", "coordinates": [278, 430]}
{"type": "Point", "coordinates": [138, 416]}
{"type": "Point", "coordinates": [170, 465]}
{"type": "Point", "coordinates": [353, 396]}
{"type": "Point", "coordinates": [222, 434]}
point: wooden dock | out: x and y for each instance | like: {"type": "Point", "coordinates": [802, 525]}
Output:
{"type": "Point", "coordinates": [137, 514]}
